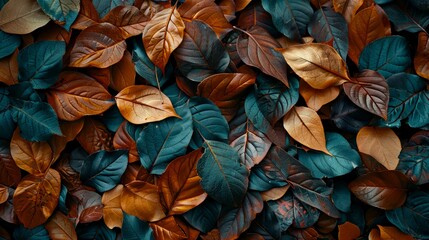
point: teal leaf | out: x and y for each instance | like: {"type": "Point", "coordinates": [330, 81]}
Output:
{"type": "Point", "coordinates": [290, 17]}
{"type": "Point", "coordinates": [4, 99]}
{"type": "Point", "coordinates": [103, 170]}
{"type": "Point", "coordinates": [343, 160]}
{"type": "Point", "coordinates": [62, 200]}
{"type": "Point", "coordinates": [204, 217]}
{"type": "Point", "coordinates": [24, 91]}
{"type": "Point", "coordinates": [95, 231]}
{"type": "Point", "coordinates": [406, 17]}
{"type": "Point", "coordinates": [208, 122]}
{"type": "Point", "coordinates": [261, 181]}
{"type": "Point", "coordinates": [176, 96]}
{"type": "Point", "coordinates": [112, 118]}
{"type": "Point", "coordinates": [342, 196]}
{"type": "Point", "coordinates": [2, 3]}
{"type": "Point", "coordinates": [8, 43]}
{"type": "Point", "coordinates": [420, 4]}
{"type": "Point", "coordinates": [105, 6]}
{"type": "Point", "coordinates": [327, 25]}
{"type": "Point", "coordinates": [267, 224]}
{"type": "Point", "coordinates": [37, 233]}
{"type": "Point", "coordinates": [41, 63]}
{"type": "Point", "coordinates": [388, 55]}
{"type": "Point", "coordinates": [63, 12]}
{"type": "Point", "coordinates": [8, 125]}
{"type": "Point", "coordinates": [222, 176]}
{"type": "Point", "coordinates": [135, 229]}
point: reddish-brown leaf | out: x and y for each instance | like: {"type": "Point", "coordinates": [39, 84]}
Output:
{"type": "Point", "coordinates": [241, 4]}
{"type": "Point", "coordinates": [69, 177]}
{"type": "Point", "coordinates": [36, 197]}
{"type": "Point", "coordinates": [87, 17]}
{"type": "Point", "coordinates": [129, 19]}
{"type": "Point", "coordinates": [9, 69]}
{"type": "Point", "coordinates": [316, 98]}
{"type": "Point", "coordinates": [112, 211]}
{"type": "Point", "coordinates": [168, 229]}
{"type": "Point", "coordinates": [53, 32]}
{"type": "Point", "coordinates": [70, 130]}
{"type": "Point", "coordinates": [7, 211]}
{"type": "Point", "coordinates": [228, 9]}
{"type": "Point", "coordinates": [100, 45]}
{"type": "Point", "coordinates": [148, 7]}
{"type": "Point", "coordinates": [274, 193]}
{"type": "Point", "coordinates": [123, 73]}
{"type": "Point", "coordinates": [60, 227]}
{"type": "Point", "coordinates": [253, 15]}
{"type": "Point", "coordinates": [347, 8]}
{"type": "Point", "coordinates": [305, 234]}
{"type": "Point", "coordinates": [122, 140]}
{"type": "Point", "coordinates": [102, 75]}
{"type": "Point", "coordinates": [214, 234]}
{"type": "Point", "coordinates": [89, 206]}
{"type": "Point", "coordinates": [421, 63]}
{"type": "Point", "coordinates": [348, 231]}
{"type": "Point", "coordinates": [94, 136]}
{"type": "Point", "coordinates": [11, 174]}
{"type": "Point", "coordinates": [391, 232]}
{"type": "Point", "coordinates": [4, 193]}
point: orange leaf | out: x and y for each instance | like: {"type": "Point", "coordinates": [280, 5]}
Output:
{"type": "Point", "coordinates": [143, 104]}
{"type": "Point", "coordinates": [304, 125]}
{"type": "Point", "coordinates": [87, 17]}
{"type": "Point", "coordinates": [241, 4]}
{"type": "Point", "coordinates": [122, 140]}
{"type": "Point", "coordinates": [60, 227]}
{"type": "Point", "coordinates": [123, 73]}
{"type": "Point", "coordinates": [347, 8]}
{"type": "Point", "coordinates": [374, 234]}
{"type": "Point", "coordinates": [348, 231]}
{"type": "Point", "coordinates": [228, 9]}
{"type": "Point", "coordinates": [421, 63]}
{"type": "Point", "coordinates": [36, 197]}
{"type": "Point", "coordinates": [380, 143]}
{"type": "Point", "coordinates": [167, 229]}
{"type": "Point", "coordinates": [316, 98]}
{"type": "Point", "coordinates": [388, 232]}
{"type": "Point", "coordinates": [99, 46]}
{"type": "Point", "coordinates": [162, 34]}
{"type": "Point", "coordinates": [94, 136]}
{"type": "Point", "coordinates": [112, 211]}
{"type": "Point", "coordinates": [129, 19]}
{"type": "Point", "coordinates": [53, 32]}
{"type": "Point", "coordinates": [274, 193]}
{"type": "Point", "coordinates": [9, 69]}
{"type": "Point", "coordinates": [4, 194]}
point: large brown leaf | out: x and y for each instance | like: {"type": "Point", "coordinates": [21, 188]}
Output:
{"type": "Point", "coordinates": [304, 125]}
{"type": "Point", "coordinates": [143, 104]}
{"type": "Point", "coordinates": [36, 197]}
{"type": "Point", "coordinates": [318, 64]}
{"type": "Point", "coordinates": [22, 17]}
{"type": "Point", "coordinates": [380, 143]}
{"type": "Point", "coordinates": [347, 8]}
{"type": "Point", "coordinates": [78, 95]}
{"type": "Point", "coordinates": [11, 174]}
{"type": "Point", "coordinates": [162, 34]}
{"type": "Point", "coordinates": [129, 19]}
{"type": "Point", "coordinates": [256, 48]}
{"type": "Point", "coordinates": [316, 98]}
{"type": "Point", "coordinates": [386, 190]}
{"type": "Point", "coordinates": [180, 184]}
{"type": "Point", "coordinates": [87, 17]}
{"type": "Point", "coordinates": [100, 45]}
{"type": "Point", "coordinates": [9, 69]}
{"type": "Point", "coordinates": [421, 63]}
{"type": "Point", "coordinates": [123, 73]}
{"type": "Point", "coordinates": [168, 229]}
{"type": "Point", "coordinates": [60, 227]}
{"type": "Point", "coordinates": [94, 136]}
{"type": "Point", "coordinates": [369, 90]}
{"type": "Point", "coordinates": [112, 211]}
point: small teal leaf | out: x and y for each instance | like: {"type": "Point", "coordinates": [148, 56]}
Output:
{"type": "Point", "coordinates": [95, 231]}
{"type": "Point", "coordinates": [135, 229]}
{"type": "Point", "coordinates": [37, 233]}
{"type": "Point", "coordinates": [105, 6]}
{"type": "Point", "coordinates": [4, 99]}
{"type": "Point", "coordinates": [342, 196]}
{"type": "Point", "coordinates": [8, 43]}
{"type": "Point", "coordinates": [63, 12]}
{"type": "Point", "coordinates": [204, 217]}
{"type": "Point", "coordinates": [406, 17]}
{"type": "Point", "coordinates": [62, 200]}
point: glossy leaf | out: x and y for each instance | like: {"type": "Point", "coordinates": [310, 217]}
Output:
{"type": "Point", "coordinates": [135, 229]}
{"type": "Point", "coordinates": [420, 65]}
{"type": "Point", "coordinates": [316, 98]}
{"type": "Point", "coordinates": [129, 19]}
{"type": "Point", "coordinates": [62, 12]}
{"type": "Point", "coordinates": [11, 173]}
{"type": "Point", "coordinates": [8, 44]}
{"type": "Point", "coordinates": [168, 228]}
{"type": "Point", "coordinates": [112, 211]}
{"type": "Point", "coordinates": [60, 227]}
{"type": "Point", "coordinates": [405, 17]}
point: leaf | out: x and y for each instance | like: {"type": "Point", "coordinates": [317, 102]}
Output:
{"type": "Point", "coordinates": [204, 216]}
{"type": "Point", "coordinates": [87, 17]}
{"type": "Point", "coordinates": [348, 230]}
{"type": "Point", "coordinates": [60, 227]}
{"type": "Point", "coordinates": [304, 125]}
{"type": "Point", "coordinates": [94, 136]}
{"type": "Point", "coordinates": [162, 34]}
{"type": "Point", "coordinates": [144, 104]}
{"type": "Point", "coordinates": [257, 49]}
{"type": "Point", "coordinates": [405, 17]}
{"type": "Point", "coordinates": [4, 194]}
{"type": "Point", "coordinates": [123, 73]}
{"type": "Point", "coordinates": [388, 232]}
{"type": "Point", "coordinates": [380, 143]}
{"type": "Point", "coordinates": [317, 64]}
{"type": "Point", "coordinates": [422, 53]}
{"type": "Point", "coordinates": [136, 229]}
{"type": "Point", "coordinates": [112, 211]}
{"type": "Point", "coordinates": [129, 19]}
{"type": "Point", "coordinates": [343, 160]}
{"type": "Point", "coordinates": [316, 98]}
{"type": "Point", "coordinates": [267, 224]}
{"type": "Point", "coordinates": [70, 131]}
{"type": "Point", "coordinates": [168, 228]}
{"type": "Point", "coordinates": [347, 8]}
{"type": "Point", "coordinates": [77, 95]}
{"type": "Point", "coordinates": [22, 17]}
{"type": "Point", "coordinates": [123, 140]}
{"type": "Point", "coordinates": [387, 56]}
{"type": "Point", "coordinates": [96, 230]}
{"type": "Point", "coordinates": [386, 190]}
{"type": "Point", "coordinates": [369, 90]}
{"type": "Point", "coordinates": [63, 12]}
{"type": "Point", "coordinates": [368, 25]}
{"type": "Point", "coordinates": [103, 170]}
{"type": "Point", "coordinates": [108, 48]}
{"type": "Point", "coordinates": [36, 198]}
{"type": "Point", "coordinates": [8, 43]}
{"type": "Point", "coordinates": [180, 185]}
{"type": "Point", "coordinates": [225, 90]}
{"type": "Point", "coordinates": [238, 220]}
{"type": "Point", "coordinates": [9, 69]}
{"type": "Point", "coordinates": [37, 233]}
{"type": "Point", "coordinates": [222, 176]}
{"type": "Point", "coordinates": [89, 206]}
{"type": "Point", "coordinates": [201, 53]}
{"type": "Point", "coordinates": [105, 6]}
{"type": "Point", "coordinates": [11, 174]}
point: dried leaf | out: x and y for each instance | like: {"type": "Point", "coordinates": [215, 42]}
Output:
{"type": "Point", "coordinates": [123, 73]}
{"type": "Point", "coordinates": [388, 232]}
{"type": "Point", "coordinates": [60, 227]}
{"type": "Point", "coordinates": [168, 228]}
{"type": "Point", "coordinates": [316, 98]}
{"type": "Point", "coordinates": [112, 211]}
{"type": "Point", "coordinates": [94, 136]}
{"type": "Point", "coordinates": [87, 17]}
{"type": "Point", "coordinates": [129, 19]}
{"type": "Point", "coordinates": [348, 231]}
{"type": "Point", "coordinates": [11, 174]}
{"type": "Point", "coordinates": [347, 8]}
{"type": "Point", "coordinates": [9, 69]}
{"type": "Point", "coordinates": [4, 194]}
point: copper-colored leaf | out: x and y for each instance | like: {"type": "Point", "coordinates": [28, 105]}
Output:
{"type": "Point", "coordinates": [89, 207]}
{"type": "Point", "coordinates": [87, 17]}
{"type": "Point", "coordinates": [368, 25]}
{"type": "Point", "coordinates": [123, 73]}
{"type": "Point", "coordinates": [256, 48]}
{"type": "Point", "coordinates": [274, 193]}
{"type": "Point", "coordinates": [4, 193]}
{"type": "Point", "coordinates": [374, 234]}
{"type": "Point", "coordinates": [391, 232]}
{"type": "Point", "coordinates": [228, 9]}
{"type": "Point", "coordinates": [241, 4]}
{"type": "Point", "coordinates": [226, 90]}
{"type": "Point", "coordinates": [316, 98]}
{"type": "Point", "coordinates": [102, 75]}
{"type": "Point", "coordinates": [143, 104]}
{"type": "Point", "coordinates": [9, 69]}
{"type": "Point", "coordinates": [94, 136]}
{"type": "Point", "coordinates": [180, 184]}
{"type": "Point", "coordinates": [421, 63]}
{"type": "Point", "coordinates": [112, 211]}
{"type": "Point", "coordinates": [60, 227]}
{"type": "Point", "coordinates": [142, 200]}
{"type": "Point", "coordinates": [33, 157]}
{"type": "Point", "coordinates": [347, 8]}
{"type": "Point", "coordinates": [70, 130]}
{"type": "Point", "coordinates": [380, 143]}
{"type": "Point", "coordinates": [162, 35]}
{"type": "Point", "coordinates": [318, 64]}
{"type": "Point", "coordinates": [122, 140]}
{"type": "Point", "coordinates": [348, 231]}
{"type": "Point", "coordinates": [369, 90]}
{"type": "Point", "coordinates": [304, 125]}
{"type": "Point", "coordinates": [36, 197]}
{"type": "Point", "coordinates": [129, 19]}
{"type": "Point", "coordinates": [305, 234]}
{"type": "Point", "coordinates": [11, 174]}
{"type": "Point", "coordinates": [99, 46]}
{"type": "Point", "coordinates": [77, 95]}
{"type": "Point", "coordinates": [168, 229]}
{"type": "Point", "coordinates": [22, 17]}
{"type": "Point", "coordinates": [53, 32]}
{"type": "Point", "coordinates": [69, 177]}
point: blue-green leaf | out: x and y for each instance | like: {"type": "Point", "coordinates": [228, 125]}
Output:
{"type": "Point", "coordinates": [414, 158]}
{"type": "Point", "coordinates": [95, 231]}
{"type": "Point", "coordinates": [135, 229]}
{"type": "Point", "coordinates": [62, 200]}
{"type": "Point", "coordinates": [420, 4]}
{"type": "Point", "coordinates": [388, 55]}
{"type": "Point", "coordinates": [4, 99]}
{"type": "Point", "coordinates": [343, 160]}
{"type": "Point", "coordinates": [267, 224]}
{"type": "Point", "coordinates": [37, 233]}
{"type": "Point", "coordinates": [290, 17]}
{"type": "Point", "coordinates": [406, 17]}
{"type": "Point", "coordinates": [222, 176]}
{"type": "Point", "coordinates": [41, 63]}
{"type": "Point", "coordinates": [103, 170]}
{"type": "Point", "coordinates": [347, 116]}
{"type": "Point", "coordinates": [8, 125]}
{"type": "Point", "coordinates": [113, 118]}
{"type": "Point", "coordinates": [204, 217]}
{"type": "Point", "coordinates": [24, 91]}
{"type": "Point", "coordinates": [63, 12]}
{"type": "Point", "coordinates": [176, 96]}
{"type": "Point", "coordinates": [342, 196]}
{"type": "Point", "coordinates": [105, 6]}
{"type": "Point", "coordinates": [259, 180]}
{"type": "Point", "coordinates": [8, 43]}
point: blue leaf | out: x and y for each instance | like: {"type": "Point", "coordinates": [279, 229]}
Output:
{"type": "Point", "coordinates": [63, 12]}
{"type": "Point", "coordinates": [95, 231]}
{"type": "Point", "coordinates": [8, 43]}
{"type": "Point", "coordinates": [37, 233]}
{"type": "Point", "coordinates": [105, 6]}
{"type": "Point", "coordinates": [112, 118]}
{"type": "Point", "coordinates": [342, 196]}
{"type": "Point", "coordinates": [259, 180]}
{"type": "Point", "coordinates": [406, 17]}
{"type": "Point", "coordinates": [204, 217]}
{"type": "Point", "coordinates": [135, 229]}
{"type": "Point", "coordinates": [62, 200]}
{"type": "Point", "coordinates": [77, 158]}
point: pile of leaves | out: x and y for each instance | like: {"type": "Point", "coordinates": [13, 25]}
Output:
{"type": "Point", "coordinates": [203, 119]}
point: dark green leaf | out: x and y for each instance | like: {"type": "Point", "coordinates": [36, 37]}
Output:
{"type": "Point", "coordinates": [95, 231]}
{"type": "Point", "coordinates": [63, 12]}
{"type": "Point", "coordinates": [4, 99]}
{"type": "Point", "coordinates": [341, 196]}
{"type": "Point", "coordinates": [112, 118]}
{"type": "Point", "coordinates": [260, 180]}
{"type": "Point", "coordinates": [8, 125]}
{"type": "Point", "coordinates": [135, 229]}
{"type": "Point", "coordinates": [406, 17]}
{"type": "Point", "coordinates": [104, 6]}
{"type": "Point", "coordinates": [204, 217]}
{"type": "Point", "coordinates": [8, 43]}
{"type": "Point", "coordinates": [62, 200]}
{"type": "Point", "coordinates": [37, 233]}
{"type": "Point", "coordinates": [267, 224]}
{"type": "Point", "coordinates": [24, 91]}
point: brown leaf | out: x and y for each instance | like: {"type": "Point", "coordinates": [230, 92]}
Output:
{"type": "Point", "coordinates": [304, 125]}
{"type": "Point", "coordinates": [122, 140]}
{"type": "Point", "coordinates": [305, 234]}
{"type": "Point", "coordinates": [7, 211]}
{"type": "Point", "coordinates": [368, 25]}
{"type": "Point", "coordinates": [347, 8]}
{"type": "Point", "coordinates": [226, 91]}
{"type": "Point", "coordinates": [167, 229]}
{"type": "Point", "coordinates": [11, 174]}
{"type": "Point", "coordinates": [316, 98]}
{"type": "Point", "coordinates": [89, 206]}
{"type": "Point", "coordinates": [241, 4]}
{"type": "Point", "coordinates": [36, 197]}
{"type": "Point", "coordinates": [100, 46]}
{"type": "Point", "coordinates": [94, 136]}
{"type": "Point", "coordinates": [148, 7]}
{"type": "Point", "coordinates": [53, 32]}
{"type": "Point", "coordinates": [143, 104]}
{"type": "Point", "coordinates": [69, 177]}
{"type": "Point", "coordinates": [102, 75]}
{"type": "Point", "coordinates": [33, 157]}
{"type": "Point", "coordinates": [421, 63]}
{"type": "Point", "coordinates": [255, 14]}
{"type": "Point", "coordinates": [316, 63]}
{"type": "Point", "coordinates": [4, 193]}
{"type": "Point", "coordinates": [142, 200]}
{"type": "Point", "coordinates": [112, 211]}
{"type": "Point", "coordinates": [380, 143]}
{"type": "Point", "coordinates": [87, 17]}
{"type": "Point", "coordinates": [22, 17]}
{"type": "Point", "coordinates": [386, 190]}
{"type": "Point", "coordinates": [70, 130]}
{"type": "Point", "coordinates": [391, 232]}
{"type": "Point", "coordinates": [348, 231]}
{"type": "Point", "coordinates": [180, 184]}
{"type": "Point", "coordinates": [214, 234]}
{"type": "Point", "coordinates": [256, 48]}
{"type": "Point", "coordinates": [123, 73]}
{"type": "Point", "coordinates": [191, 233]}
{"type": "Point", "coordinates": [162, 34]}
{"type": "Point", "coordinates": [274, 193]}
{"type": "Point", "coordinates": [129, 19]}
{"type": "Point", "coordinates": [9, 69]}
{"type": "Point", "coordinates": [326, 224]}
{"type": "Point", "coordinates": [60, 227]}
{"type": "Point", "coordinates": [369, 91]}
{"type": "Point", "coordinates": [374, 234]}
{"type": "Point", "coordinates": [228, 9]}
